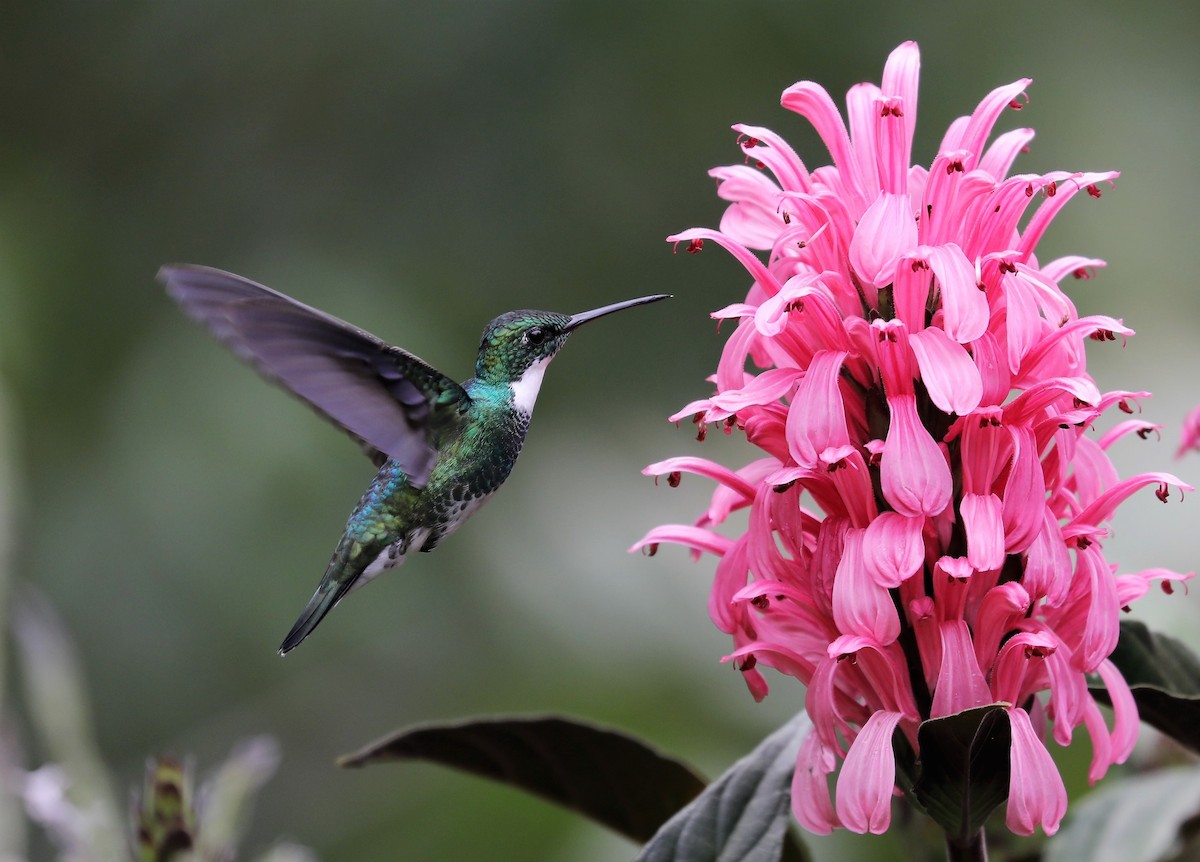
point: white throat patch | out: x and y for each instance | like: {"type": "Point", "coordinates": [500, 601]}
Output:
{"type": "Point", "coordinates": [525, 390]}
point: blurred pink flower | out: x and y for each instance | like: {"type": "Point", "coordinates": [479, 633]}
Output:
{"type": "Point", "coordinates": [926, 524]}
{"type": "Point", "coordinates": [1191, 434]}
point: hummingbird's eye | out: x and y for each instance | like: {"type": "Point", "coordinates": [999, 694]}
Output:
{"type": "Point", "coordinates": [536, 336]}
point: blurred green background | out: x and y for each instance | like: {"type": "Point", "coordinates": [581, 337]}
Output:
{"type": "Point", "coordinates": [418, 168]}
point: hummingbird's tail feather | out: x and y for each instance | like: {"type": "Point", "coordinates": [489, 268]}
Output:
{"type": "Point", "coordinates": [327, 595]}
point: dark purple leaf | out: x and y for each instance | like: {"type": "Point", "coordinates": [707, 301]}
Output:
{"type": "Point", "coordinates": [608, 776]}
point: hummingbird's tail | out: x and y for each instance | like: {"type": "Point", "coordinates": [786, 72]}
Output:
{"type": "Point", "coordinates": [327, 595]}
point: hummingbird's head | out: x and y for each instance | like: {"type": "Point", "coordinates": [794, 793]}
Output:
{"type": "Point", "coordinates": [517, 341]}
{"type": "Point", "coordinates": [517, 346]}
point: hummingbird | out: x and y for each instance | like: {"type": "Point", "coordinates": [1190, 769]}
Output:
{"type": "Point", "coordinates": [442, 448]}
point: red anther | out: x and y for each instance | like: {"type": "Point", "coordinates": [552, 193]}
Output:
{"type": "Point", "coordinates": [1167, 587]}
{"type": "Point", "coordinates": [746, 662]}
{"type": "Point", "coordinates": [787, 217]}
{"type": "Point", "coordinates": [1008, 266]}
{"type": "Point", "coordinates": [1051, 188]}
{"type": "Point", "coordinates": [1163, 493]}
{"type": "Point", "coordinates": [955, 167]}
{"type": "Point", "coordinates": [651, 549]}
{"type": "Point", "coordinates": [1124, 407]}
{"type": "Point", "coordinates": [673, 478]}
{"type": "Point", "coordinates": [1028, 192]}
{"type": "Point", "coordinates": [1093, 190]}
{"type": "Point", "coordinates": [695, 246]}
{"type": "Point", "coordinates": [761, 602]}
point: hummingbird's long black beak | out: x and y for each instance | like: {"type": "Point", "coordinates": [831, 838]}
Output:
{"type": "Point", "coordinates": [584, 316]}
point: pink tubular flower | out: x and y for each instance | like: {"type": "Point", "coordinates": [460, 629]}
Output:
{"type": "Point", "coordinates": [927, 516]}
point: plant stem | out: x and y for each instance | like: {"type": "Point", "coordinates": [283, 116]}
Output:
{"type": "Point", "coordinates": [974, 850]}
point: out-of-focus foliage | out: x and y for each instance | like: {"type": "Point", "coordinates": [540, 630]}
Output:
{"type": "Point", "coordinates": [417, 169]}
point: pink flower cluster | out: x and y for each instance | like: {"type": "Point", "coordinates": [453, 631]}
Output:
{"type": "Point", "coordinates": [926, 522]}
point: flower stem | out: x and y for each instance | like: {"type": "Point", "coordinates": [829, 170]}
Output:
{"type": "Point", "coordinates": [974, 850]}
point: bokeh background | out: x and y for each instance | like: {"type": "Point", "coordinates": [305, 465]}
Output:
{"type": "Point", "coordinates": [418, 168]}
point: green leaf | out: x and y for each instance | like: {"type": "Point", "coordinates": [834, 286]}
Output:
{"type": "Point", "coordinates": [1164, 676]}
{"type": "Point", "coordinates": [608, 776]}
{"type": "Point", "coordinates": [1134, 819]}
{"type": "Point", "coordinates": [744, 815]}
{"type": "Point", "coordinates": [963, 772]}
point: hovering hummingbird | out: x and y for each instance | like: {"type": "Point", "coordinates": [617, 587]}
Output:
{"type": "Point", "coordinates": [442, 448]}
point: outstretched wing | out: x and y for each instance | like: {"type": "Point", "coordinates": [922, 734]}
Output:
{"type": "Point", "coordinates": [383, 396]}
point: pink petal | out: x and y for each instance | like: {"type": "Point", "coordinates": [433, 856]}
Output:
{"type": "Point", "coordinates": [960, 684]}
{"type": "Point", "coordinates": [1012, 664]}
{"type": "Point", "coordinates": [901, 74]}
{"type": "Point", "coordinates": [983, 118]}
{"type": "Point", "coordinates": [1102, 507]}
{"type": "Point", "coordinates": [1024, 494]}
{"type": "Point", "coordinates": [950, 376]}
{"type": "Point", "coordinates": [993, 369]}
{"type": "Point", "coordinates": [1125, 711]}
{"type": "Point", "coordinates": [915, 476]}
{"type": "Point", "coordinates": [758, 271]}
{"type": "Point", "coordinates": [813, 102]}
{"type": "Point", "coordinates": [999, 612]}
{"type": "Point", "coordinates": [817, 418]}
{"type": "Point", "coordinates": [885, 232]}
{"type": "Point", "coordinates": [860, 605]}
{"type": "Point", "coordinates": [811, 802]}
{"type": "Point", "coordinates": [1036, 794]}
{"type": "Point", "coordinates": [965, 306]}
{"type": "Point", "coordinates": [868, 777]}
{"type": "Point", "coordinates": [778, 155]}
{"type": "Point", "coordinates": [688, 536]}
{"type": "Point", "coordinates": [893, 548]}
{"type": "Point", "coordinates": [999, 158]}
{"type": "Point", "coordinates": [984, 529]}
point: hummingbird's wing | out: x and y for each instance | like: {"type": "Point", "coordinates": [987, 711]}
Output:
{"type": "Point", "coordinates": [383, 396]}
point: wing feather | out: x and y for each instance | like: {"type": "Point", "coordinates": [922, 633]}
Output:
{"type": "Point", "coordinates": [383, 396]}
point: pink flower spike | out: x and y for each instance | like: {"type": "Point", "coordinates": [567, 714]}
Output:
{"type": "Point", "coordinates": [893, 548]}
{"type": "Point", "coordinates": [868, 777]}
{"type": "Point", "coordinates": [930, 486]}
{"type": "Point", "coordinates": [947, 370]}
{"type": "Point", "coordinates": [960, 684]}
{"type": "Point", "coordinates": [1036, 794]}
